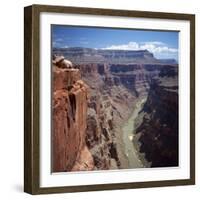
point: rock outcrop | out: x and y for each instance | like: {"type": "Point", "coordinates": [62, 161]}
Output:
{"type": "Point", "coordinates": [95, 96]}
{"type": "Point", "coordinates": [114, 89]}
{"type": "Point", "coordinates": [108, 107]}
{"type": "Point", "coordinates": [70, 96]}
{"type": "Point", "coordinates": [157, 124]}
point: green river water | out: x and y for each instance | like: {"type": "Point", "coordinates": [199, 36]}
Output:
{"type": "Point", "coordinates": [128, 136]}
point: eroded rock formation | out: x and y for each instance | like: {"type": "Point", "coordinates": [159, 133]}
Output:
{"type": "Point", "coordinates": [107, 108]}
{"type": "Point", "coordinates": [157, 125]}
{"type": "Point", "coordinates": [94, 97]}
{"type": "Point", "coordinates": [114, 90]}
{"type": "Point", "coordinates": [70, 96]}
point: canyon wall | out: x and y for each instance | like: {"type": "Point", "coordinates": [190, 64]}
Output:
{"type": "Point", "coordinates": [92, 101]}
{"type": "Point", "coordinates": [157, 123]}
{"type": "Point", "coordinates": [114, 89]}
{"type": "Point", "coordinates": [69, 101]}
{"type": "Point", "coordinates": [107, 108]}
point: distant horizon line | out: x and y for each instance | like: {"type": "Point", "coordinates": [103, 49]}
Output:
{"type": "Point", "coordinates": [99, 48]}
{"type": "Point", "coordinates": [142, 50]}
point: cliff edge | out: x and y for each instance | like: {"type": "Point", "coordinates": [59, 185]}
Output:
{"type": "Point", "coordinates": [70, 96]}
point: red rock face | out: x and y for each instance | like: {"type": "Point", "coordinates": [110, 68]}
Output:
{"type": "Point", "coordinates": [88, 115]}
{"type": "Point", "coordinates": [107, 109]}
{"type": "Point", "coordinates": [70, 95]}
{"type": "Point", "coordinates": [63, 78]}
{"type": "Point", "coordinates": [114, 89]}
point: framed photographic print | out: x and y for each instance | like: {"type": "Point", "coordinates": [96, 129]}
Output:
{"type": "Point", "coordinates": [109, 99]}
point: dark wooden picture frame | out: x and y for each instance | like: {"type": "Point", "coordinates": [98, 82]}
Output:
{"type": "Point", "coordinates": [32, 98]}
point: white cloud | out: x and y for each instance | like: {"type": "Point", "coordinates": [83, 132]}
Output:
{"type": "Point", "coordinates": [129, 46]}
{"type": "Point", "coordinates": [159, 49]}
{"type": "Point", "coordinates": [155, 43]}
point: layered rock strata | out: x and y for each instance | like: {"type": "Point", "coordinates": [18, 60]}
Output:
{"type": "Point", "coordinates": [115, 81]}
{"type": "Point", "coordinates": [114, 90]}
{"type": "Point", "coordinates": [87, 55]}
{"type": "Point", "coordinates": [157, 124]}
{"type": "Point", "coordinates": [109, 107]}
{"type": "Point", "coordinates": [70, 97]}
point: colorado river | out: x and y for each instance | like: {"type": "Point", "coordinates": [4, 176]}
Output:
{"type": "Point", "coordinates": [128, 128]}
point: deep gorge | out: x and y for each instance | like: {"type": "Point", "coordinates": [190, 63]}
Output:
{"type": "Point", "coordinates": [100, 99]}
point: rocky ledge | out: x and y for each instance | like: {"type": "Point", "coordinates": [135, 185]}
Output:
{"type": "Point", "coordinates": [70, 97]}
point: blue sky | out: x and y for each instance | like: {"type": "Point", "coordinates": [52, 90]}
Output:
{"type": "Point", "coordinates": [163, 44]}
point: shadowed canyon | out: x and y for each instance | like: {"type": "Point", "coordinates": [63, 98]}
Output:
{"type": "Point", "coordinates": [113, 109]}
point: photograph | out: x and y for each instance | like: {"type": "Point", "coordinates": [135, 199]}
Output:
{"type": "Point", "coordinates": [114, 98]}
{"type": "Point", "coordinates": [109, 99]}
